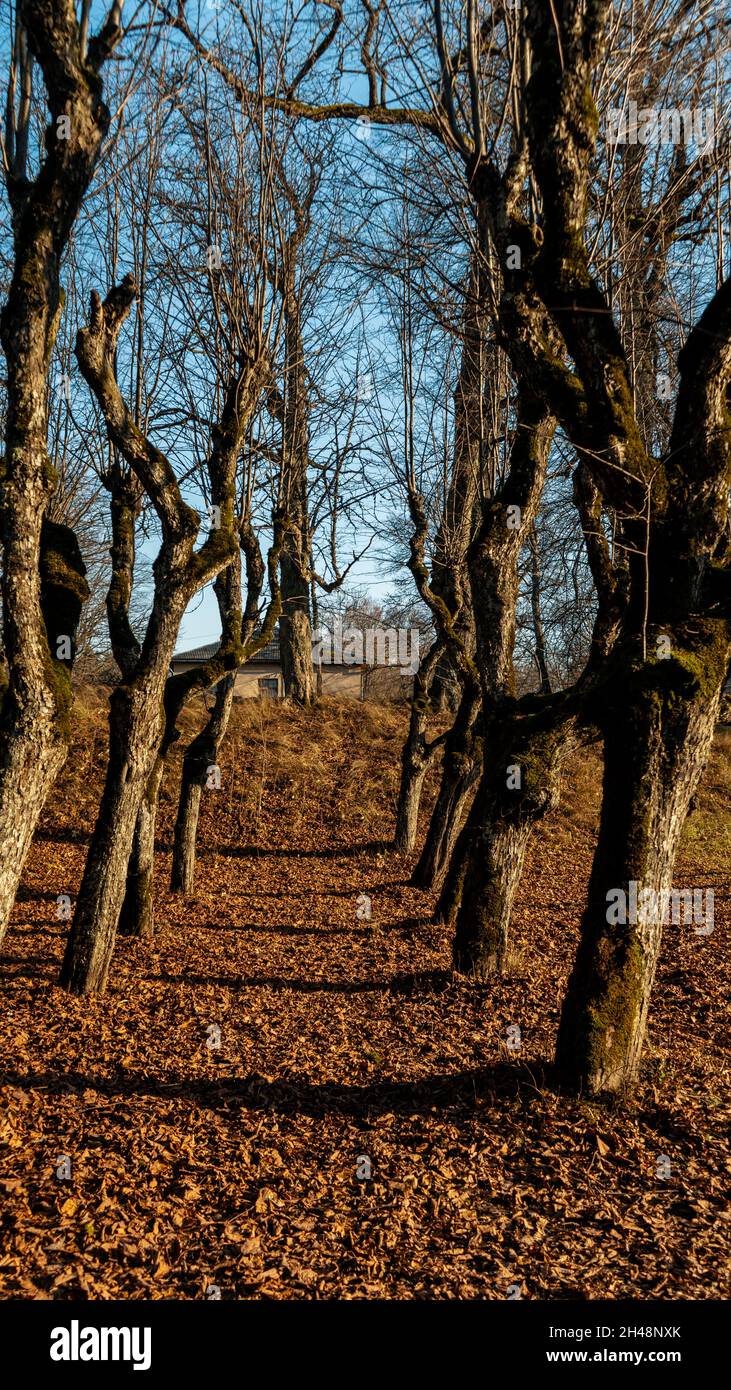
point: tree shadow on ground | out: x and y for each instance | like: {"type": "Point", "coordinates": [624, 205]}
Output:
{"type": "Point", "coordinates": [63, 835]}
{"type": "Point", "coordinates": [277, 982]}
{"type": "Point", "coordinates": [286, 852]}
{"type": "Point", "coordinates": [454, 1092]}
{"type": "Point", "coordinates": [411, 983]}
{"type": "Point", "coordinates": [274, 930]}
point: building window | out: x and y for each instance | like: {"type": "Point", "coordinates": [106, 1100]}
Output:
{"type": "Point", "coordinates": [269, 687]}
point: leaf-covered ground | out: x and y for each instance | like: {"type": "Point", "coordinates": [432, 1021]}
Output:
{"type": "Point", "coordinates": [200, 1171]}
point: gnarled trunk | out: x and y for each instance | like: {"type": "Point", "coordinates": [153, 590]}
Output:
{"type": "Point", "coordinates": [520, 784]}
{"type": "Point", "coordinates": [43, 582]}
{"type": "Point", "coordinates": [450, 897]}
{"type": "Point", "coordinates": [657, 741]}
{"type": "Point", "coordinates": [138, 714]}
{"type": "Point", "coordinates": [135, 729]}
{"type": "Point", "coordinates": [492, 874]}
{"type": "Point", "coordinates": [42, 600]}
{"type": "Point", "coordinates": [523, 744]}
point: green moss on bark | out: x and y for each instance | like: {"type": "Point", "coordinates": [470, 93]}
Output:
{"type": "Point", "coordinates": [611, 1019]}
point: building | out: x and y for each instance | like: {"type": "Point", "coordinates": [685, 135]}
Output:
{"type": "Point", "coordinates": [261, 677]}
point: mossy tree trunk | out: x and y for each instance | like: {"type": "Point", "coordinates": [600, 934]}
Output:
{"type": "Point", "coordinates": [43, 576]}
{"type": "Point", "coordinates": [657, 740]}
{"type": "Point", "coordinates": [673, 649]}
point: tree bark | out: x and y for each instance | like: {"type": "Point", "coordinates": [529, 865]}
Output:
{"type": "Point", "coordinates": [295, 629]}
{"type": "Point", "coordinates": [35, 717]}
{"type": "Point", "coordinates": [200, 754]}
{"type": "Point", "coordinates": [520, 784]}
{"type": "Point", "coordinates": [182, 878]}
{"type": "Point", "coordinates": [535, 605]}
{"type": "Point", "coordinates": [656, 746]}
{"type": "Point", "coordinates": [450, 897]}
{"type": "Point", "coordinates": [137, 718]}
{"type": "Point", "coordinates": [416, 754]}
{"type": "Point", "coordinates": [43, 581]}
{"type": "Point", "coordinates": [521, 753]}
{"type": "Point", "coordinates": [460, 775]}
{"type": "Point", "coordinates": [135, 729]}
{"type": "Point", "coordinates": [414, 766]}
{"type": "Point", "coordinates": [293, 410]}
{"type": "Point", "coordinates": [137, 917]}
{"type": "Point", "coordinates": [449, 579]}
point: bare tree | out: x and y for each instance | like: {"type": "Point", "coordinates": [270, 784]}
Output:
{"type": "Point", "coordinates": [225, 194]}
{"type": "Point", "coordinates": [136, 712]}
{"type": "Point", "coordinates": [44, 583]}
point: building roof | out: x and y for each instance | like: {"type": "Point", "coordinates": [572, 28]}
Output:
{"type": "Point", "coordinates": [197, 655]}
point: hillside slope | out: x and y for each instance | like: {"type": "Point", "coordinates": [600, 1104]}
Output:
{"type": "Point", "coordinates": [197, 1167]}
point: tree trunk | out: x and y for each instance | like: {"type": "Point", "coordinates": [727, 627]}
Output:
{"type": "Point", "coordinates": [33, 758]}
{"type": "Point", "coordinates": [416, 754]}
{"type": "Point", "coordinates": [295, 627]}
{"type": "Point", "coordinates": [295, 632]}
{"type": "Point", "coordinates": [414, 767]}
{"type": "Point", "coordinates": [182, 877]}
{"type": "Point", "coordinates": [522, 743]}
{"type": "Point", "coordinates": [520, 784]}
{"type": "Point", "coordinates": [445, 692]}
{"type": "Point", "coordinates": [460, 774]}
{"type": "Point", "coordinates": [201, 754]}
{"type": "Point", "coordinates": [43, 585]}
{"type": "Point", "coordinates": [137, 917]}
{"type": "Point", "coordinates": [450, 897]}
{"type": "Point", "coordinates": [449, 579]}
{"type": "Point", "coordinates": [139, 706]}
{"type": "Point", "coordinates": [535, 604]}
{"type": "Point", "coordinates": [135, 727]}
{"type": "Point", "coordinates": [481, 940]}
{"type": "Point", "coordinates": [453, 800]}
{"type": "Point", "coordinates": [43, 594]}
{"type": "Point", "coordinates": [657, 743]}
